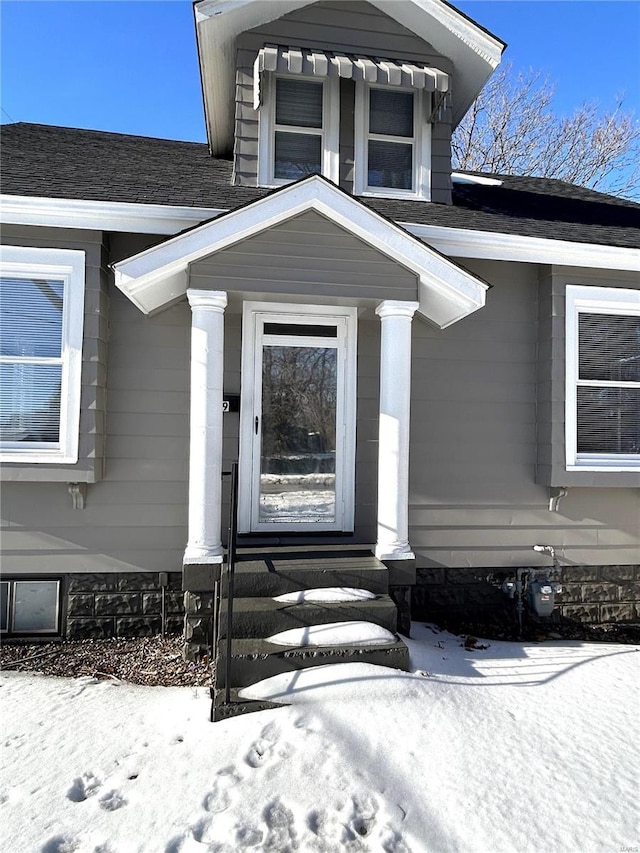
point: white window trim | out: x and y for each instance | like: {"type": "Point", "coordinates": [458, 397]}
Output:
{"type": "Point", "coordinates": [68, 266]}
{"type": "Point", "coordinates": [583, 299]}
{"type": "Point", "coordinates": [421, 146]}
{"type": "Point", "coordinates": [329, 133]}
{"type": "Point", "coordinates": [255, 314]}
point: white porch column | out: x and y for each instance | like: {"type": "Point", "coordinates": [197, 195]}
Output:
{"type": "Point", "coordinates": [393, 448]}
{"type": "Point", "coordinates": [205, 431]}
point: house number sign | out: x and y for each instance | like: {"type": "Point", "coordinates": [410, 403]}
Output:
{"type": "Point", "coordinates": [231, 403]}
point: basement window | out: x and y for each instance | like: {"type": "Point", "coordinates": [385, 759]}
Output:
{"type": "Point", "coordinates": [30, 606]}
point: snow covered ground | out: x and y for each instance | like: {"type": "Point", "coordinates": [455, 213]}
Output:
{"type": "Point", "coordinates": [516, 747]}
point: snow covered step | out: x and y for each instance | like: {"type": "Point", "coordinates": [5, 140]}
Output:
{"type": "Point", "coordinates": [330, 593]}
{"type": "Point", "coordinates": [254, 660]}
{"type": "Point", "coordinates": [261, 617]}
{"type": "Point", "coordinates": [282, 571]}
{"type": "Point", "coordinates": [356, 633]}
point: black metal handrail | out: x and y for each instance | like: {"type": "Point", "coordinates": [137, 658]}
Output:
{"type": "Point", "coordinates": [231, 565]}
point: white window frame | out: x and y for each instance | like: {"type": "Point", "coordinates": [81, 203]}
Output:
{"type": "Point", "coordinates": [329, 132]}
{"type": "Point", "coordinates": [421, 140]}
{"type": "Point", "coordinates": [255, 315]}
{"type": "Point", "coordinates": [582, 299]}
{"type": "Point", "coordinates": [68, 266]}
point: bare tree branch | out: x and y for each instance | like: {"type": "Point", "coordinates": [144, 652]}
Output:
{"type": "Point", "coordinates": [512, 128]}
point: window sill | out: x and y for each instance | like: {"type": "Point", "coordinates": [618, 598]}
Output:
{"type": "Point", "coordinates": [399, 195]}
{"type": "Point", "coordinates": [38, 457]}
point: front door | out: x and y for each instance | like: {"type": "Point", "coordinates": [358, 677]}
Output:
{"type": "Point", "coordinates": [297, 436]}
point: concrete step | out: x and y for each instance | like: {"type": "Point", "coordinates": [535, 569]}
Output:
{"type": "Point", "coordinates": [287, 571]}
{"type": "Point", "coordinates": [254, 660]}
{"type": "Point", "coordinates": [262, 617]}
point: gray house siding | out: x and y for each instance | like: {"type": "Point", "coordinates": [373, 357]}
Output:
{"type": "Point", "coordinates": [352, 27]}
{"type": "Point", "coordinates": [89, 467]}
{"type": "Point", "coordinates": [478, 430]}
{"type": "Point", "coordinates": [133, 524]}
{"type": "Point", "coordinates": [306, 256]}
{"type": "Point", "coordinates": [476, 509]}
{"type": "Point", "coordinates": [551, 468]}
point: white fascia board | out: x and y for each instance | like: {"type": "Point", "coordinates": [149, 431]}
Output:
{"type": "Point", "coordinates": [497, 246]}
{"type": "Point", "coordinates": [168, 219]}
{"type": "Point", "coordinates": [101, 215]}
{"type": "Point", "coordinates": [142, 276]}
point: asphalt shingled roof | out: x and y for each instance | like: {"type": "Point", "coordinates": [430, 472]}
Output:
{"type": "Point", "coordinates": [60, 162]}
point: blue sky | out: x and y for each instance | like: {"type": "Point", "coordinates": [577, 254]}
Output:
{"type": "Point", "coordinates": [131, 67]}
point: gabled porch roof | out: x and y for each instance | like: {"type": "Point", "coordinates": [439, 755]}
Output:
{"type": "Point", "coordinates": [157, 277]}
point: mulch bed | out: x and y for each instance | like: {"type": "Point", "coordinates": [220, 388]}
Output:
{"type": "Point", "coordinates": [158, 661]}
{"type": "Point", "coordinates": [152, 661]}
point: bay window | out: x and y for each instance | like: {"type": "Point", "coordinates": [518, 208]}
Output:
{"type": "Point", "coordinates": [603, 378]}
{"type": "Point", "coordinates": [41, 324]}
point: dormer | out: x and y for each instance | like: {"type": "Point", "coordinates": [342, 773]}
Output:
{"type": "Point", "coordinates": [364, 93]}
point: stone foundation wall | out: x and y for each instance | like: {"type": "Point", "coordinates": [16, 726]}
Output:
{"type": "Point", "coordinates": [123, 604]}
{"type": "Point", "coordinates": [198, 623]}
{"type": "Point", "coordinates": [592, 594]}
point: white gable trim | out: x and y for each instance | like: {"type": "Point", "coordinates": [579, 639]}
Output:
{"type": "Point", "coordinates": [158, 276]}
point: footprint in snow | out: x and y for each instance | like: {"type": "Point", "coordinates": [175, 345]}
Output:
{"type": "Point", "coordinates": [61, 844]}
{"type": "Point", "coordinates": [261, 751]}
{"type": "Point", "coordinates": [112, 801]}
{"type": "Point", "coordinates": [219, 797]}
{"type": "Point", "coordinates": [248, 837]}
{"type": "Point", "coordinates": [281, 829]}
{"type": "Point", "coordinates": [363, 816]}
{"type": "Point", "coordinates": [394, 843]}
{"type": "Point", "coordinates": [82, 787]}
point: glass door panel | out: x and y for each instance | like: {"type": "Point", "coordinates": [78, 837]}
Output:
{"type": "Point", "coordinates": [298, 434]}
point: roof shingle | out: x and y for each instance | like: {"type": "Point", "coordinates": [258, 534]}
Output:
{"type": "Point", "coordinates": [61, 162]}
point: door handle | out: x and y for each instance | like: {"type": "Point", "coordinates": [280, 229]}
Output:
{"type": "Point", "coordinates": [257, 422]}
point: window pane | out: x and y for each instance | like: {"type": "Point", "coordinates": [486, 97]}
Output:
{"type": "Point", "coordinates": [31, 317]}
{"type": "Point", "coordinates": [298, 329]}
{"type": "Point", "coordinates": [298, 454]}
{"type": "Point", "coordinates": [35, 607]}
{"type": "Point", "coordinates": [299, 103]}
{"type": "Point", "coordinates": [609, 347]}
{"type": "Point", "coordinates": [4, 606]}
{"type": "Point", "coordinates": [297, 155]}
{"type": "Point", "coordinates": [390, 165]}
{"type": "Point", "coordinates": [608, 420]}
{"type": "Point", "coordinates": [30, 402]}
{"type": "Point", "coordinates": [390, 113]}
